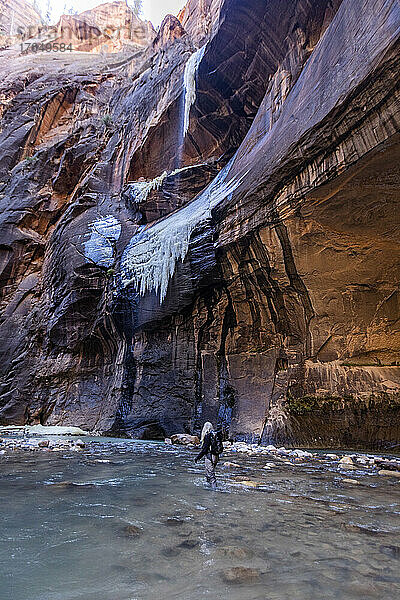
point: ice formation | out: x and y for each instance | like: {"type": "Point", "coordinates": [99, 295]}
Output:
{"type": "Point", "coordinates": [99, 248]}
{"type": "Point", "coordinates": [150, 257]}
{"type": "Point", "coordinates": [139, 190]}
{"type": "Point", "coordinates": [189, 82]}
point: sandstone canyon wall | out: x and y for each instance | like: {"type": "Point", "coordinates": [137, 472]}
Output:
{"type": "Point", "coordinates": [16, 16]}
{"type": "Point", "coordinates": [205, 226]}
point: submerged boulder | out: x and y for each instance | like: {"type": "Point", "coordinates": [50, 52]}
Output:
{"type": "Point", "coordinates": [236, 575]}
{"type": "Point", "coordinates": [236, 552]}
{"type": "Point", "coordinates": [388, 465]}
{"type": "Point", "coordinates": [132, 531]}
{"type": "Point", "coordinates": [346, 462]}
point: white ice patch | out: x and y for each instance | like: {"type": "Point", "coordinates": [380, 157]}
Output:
{"type": "Point", "coordinates": [189, 82]}
{"type": "Point", "coordinates": [139, 190]}
{"type": "Point", "coordinates": [99, 248]}
{"type": "Point", "coordinates": [149, 259]}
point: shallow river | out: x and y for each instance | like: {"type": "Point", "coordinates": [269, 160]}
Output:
{"type": "Point", "coordinates": [308, 535]}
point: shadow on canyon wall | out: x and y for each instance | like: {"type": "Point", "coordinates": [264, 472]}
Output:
{"type": "Point", "coordinates": [271, 225]}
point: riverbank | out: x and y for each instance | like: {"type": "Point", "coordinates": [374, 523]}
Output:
{"type": "Point", "coordinates": [42, 430]}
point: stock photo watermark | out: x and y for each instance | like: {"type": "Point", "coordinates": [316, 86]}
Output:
{"type": "Point", "coordinates": [70, 34]}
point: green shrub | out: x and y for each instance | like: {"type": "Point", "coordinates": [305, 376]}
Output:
{"type": "Point", "coordinates": [107, 120]}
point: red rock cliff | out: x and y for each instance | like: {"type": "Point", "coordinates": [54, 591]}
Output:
{"type": "Point", "coordinates": [135, 299]}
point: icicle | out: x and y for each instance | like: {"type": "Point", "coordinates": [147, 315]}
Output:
{"type": "Point", "coordinates": [139, 190]}
{"type": "Point", "coordinates": [189, 82]}
{"type": "Point", "coordinates": [150, 258]}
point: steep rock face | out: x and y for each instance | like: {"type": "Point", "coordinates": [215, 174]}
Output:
{"type": "Point", "coordinates": [239, 63]}
{"type": "Point", "coordinates": [108, 28]}
{"type": "Point", "coordinates": [16, 16]}
{"type": "Point", "coordinates": [170, 30]}
{"type": "Point", "coordinates": [306, 266]}
{"type": "Point", "coordinates": [200, 19]}
{"type": "Point", "coordinates": [111, 27]}
{"type": "Point", "coordinates": [69, 124]}
{"type": "Point", "coordinates": [280, 319]}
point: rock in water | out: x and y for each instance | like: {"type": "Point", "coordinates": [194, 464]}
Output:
{"type": "Point", "coordinates": [248, 483]}
{"type": "Point", "coordinates": [189, 544]}
{"type": "Point", "coordinates": [184, 439]}
{"type": "Point", "coordinates": [389, 465]}
{"type": "Point", "coordinates": [392, 551]}
{"type": "Point", "coordinates": [389, 473]}
{"type": "Point", "coordinates": [354, 528]}
{"type": "Point", "coordinates": [171, 551]}
{"type": "Point", "coordinates": [132, 531]}
{"type": "Point", "coordinates": [238, 575]}
{"type": "Point", "coordinates": [346, 460]}
{"type": "Point", "coordinates": [236, 552]}
{"type": "Point", "coordinates": [302, 454]}
{"type": "Point", "coordinates": [174, 522]}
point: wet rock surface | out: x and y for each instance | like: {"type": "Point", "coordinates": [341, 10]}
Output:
{"type": "Point", "coordinates": [132, 531]}
{"type": "Point", "coordinates": [389, 473]}
{"type": "Point", "coordinates": [184, 439]}
{"type": "Point", "coordinates": [236, 552]}
{"type": "Point", "coordinates": [281, 320]}
{"type": "Point", "coordinates": [238, 575]}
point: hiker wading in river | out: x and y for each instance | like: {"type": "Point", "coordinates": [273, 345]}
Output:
{"type": "Point", "coordinates": [211, 449]}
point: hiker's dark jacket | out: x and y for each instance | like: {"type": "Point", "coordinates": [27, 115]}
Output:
{"type": "Point", "coordinates": [206, 449]}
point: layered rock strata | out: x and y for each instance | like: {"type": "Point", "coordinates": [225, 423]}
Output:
{"type": "Point", "coordinates": [16, 16]}
{"type": "Point", "coordinates": [246, 272]}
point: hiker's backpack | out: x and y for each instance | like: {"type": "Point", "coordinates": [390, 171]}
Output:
{"type": "Point", "coordinates": [216, 445]}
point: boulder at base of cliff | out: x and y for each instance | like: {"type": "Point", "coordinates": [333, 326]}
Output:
{"type": "Point", "coordinates": [184, 439]}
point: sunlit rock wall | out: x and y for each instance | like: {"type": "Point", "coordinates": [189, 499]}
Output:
{"type": "Point", "coordinates": [16, 16]}
{"type": "Point", "coordinates": [280, 317]}
{"type": "Point", "coordinates": [111, 27]}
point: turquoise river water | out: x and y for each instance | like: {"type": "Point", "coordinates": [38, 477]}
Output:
{"type": "Point", "coordinates": [307, 535]}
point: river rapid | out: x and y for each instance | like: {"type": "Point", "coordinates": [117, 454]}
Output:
{"type": "Point", "coordinates": [131, 520]}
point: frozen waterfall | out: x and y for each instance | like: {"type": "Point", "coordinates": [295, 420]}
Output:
{"type": "Point", "coordinates": [139, 190]}
{"type": "Point", "coordinates": [189, 82]}
{"type": "Point", "coordinates": [149, 259]}
{"type": "Point", "coordinates": [100, 247]}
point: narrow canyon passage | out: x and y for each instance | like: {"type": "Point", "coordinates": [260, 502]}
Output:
{"type": "Point", "coordinates": [200, 300]}
{"type": "Point", "coordinates": [200, 222]}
